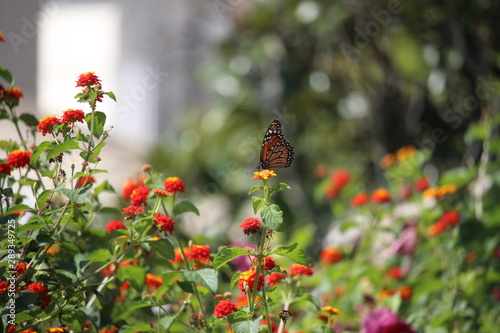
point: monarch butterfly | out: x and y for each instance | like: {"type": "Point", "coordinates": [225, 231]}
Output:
{"type": "Point", "coordinates": [276, 151]}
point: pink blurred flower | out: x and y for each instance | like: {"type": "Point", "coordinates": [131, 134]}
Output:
{"type": "Point", "coordinates": [383, 320]}
{"type": "Point", "coordinates": [407, 241]}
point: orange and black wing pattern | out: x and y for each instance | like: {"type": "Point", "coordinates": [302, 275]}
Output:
{"type": "Point", "coordinates": [276, 151]}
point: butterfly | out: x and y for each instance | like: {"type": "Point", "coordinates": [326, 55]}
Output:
{"type": "Point", "coordinates": [276, 151]}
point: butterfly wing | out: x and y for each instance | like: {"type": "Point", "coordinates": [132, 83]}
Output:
{"type": "Point", "coordinates": [276, 151]}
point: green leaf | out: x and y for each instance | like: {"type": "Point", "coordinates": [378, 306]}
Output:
{"type": "Point", "coordinates": [206, 276]}
{"type": "Point", "coordinates": [95, 152]}
{"type": "Point", "coordinates": [459, 177]}
{"type": "Point", "coordinates": [7, 76]}
{"type": "Point", "coordinates": [255, 188]}
{"type": "Point", "coordinates": [137, 328]}
{"type": "Point", "coordinates": [167, 321]}
{"type": "Point", "coordinates": [70, 246]}
{"type": "Point", "coordinates": [42, 199]}
{"type": "Point", "coordinates": [293, 252]}
{"type": "Point", "coordinates": [99, 256]}
{"type": "Point", "coordinates": [225, 255]}
{"type": "Point", "coordinates": [17, 208]}
{"type": "Point", "coordinates": [78, 195]}
{"type": "Point", "coordinates": [185, 206]}
{"type": "Point", "coordinates": [22, 317]}
{"type": "Point", "coordinates": [257, 204]}
{"type": "Point", "coordinates": [169, 277]}
{"type": "Point", "coordinates": [164, 247]}
{"type": "Point", "coordinates": [135, 274]}
{"type": "Point", "coordinates": [99, 122]}
{"type": "Point", "coordinates": [111, 95]}
{"type": "Point", "coordinates": [283, 186]}
{"type": "Point", "coordinates": [272, 217]}
{"type": "Point", "coordinates": [74, 319]}
{"type": "Point", "coordinates": [42, 147]}
{"type": "Point", "coordinates": [247, 326]}
{"type": "Point", "coordinates": [62, 148]}
{"type": "Point", "coordinates": [29, 119]}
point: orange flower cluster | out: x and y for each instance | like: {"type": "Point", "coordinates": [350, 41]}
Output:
{"type": "Point", "coordinates": [297, 271]}
{"type": "Point", "coordinates": [439, 192]}
{"type": "Point", "coordinates": [10, 95]}
{"type": "Point", "coordinates": [402, 154]}
{"type": "Point", "coordinates": [446, 221]}
{"type": "Point", "coordinates": [153, 281]}
{"type": "Point", "coordinates": [264, 174]}
{"type": "Point", "coordinates": [380, 195]}
{"type": "Point", "coordinates": [338, 180]}
{"type": "Point", "coordinates": [330, 255]}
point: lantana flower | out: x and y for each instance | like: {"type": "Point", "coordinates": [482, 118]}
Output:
{"type": "Point", "coordinates": [164, 222]}
{"type": "Point", "coordinates": [115, 225]}
{"type": "Point", "coordinates": [275, 278]}
{"type": "Point", "coordinates": [5, 169]}
{"type": "Point", "coordinates": [19, 158]}
{"type": "Point", "coordinates": [132, 211]}
{"type": "Point", "coordinates": [223, 308]}
{"type": "Point", "coordinates": [381, 195]}
{"type": "Point", "coordinates": [84, 180]}
{"type": "Point", "coordinates": [46, 125]}
{"type": "Point", "coordinates": [251, 225]}
{"type": "Point", "coordinates": [246, 280]}
{"type": "Point", "coordinates": [174, 185]}
{"type": "Point", "coordinates": [299, 270]}
{"type": "Point", "coordinates": [330, 255]}
{"type": "Point", "coordinates": [88, 79]}
{"type": "Point", "coordinates": [153, 281]}
{"type": "Point", "coordinates": [264, 174]}
{"type": "Point", "coordinates": [139, 195]}
{"type": "Point", "coordinates": [71, 116]}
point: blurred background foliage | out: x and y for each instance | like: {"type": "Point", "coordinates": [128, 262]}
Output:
{"type": "Point", "coordinates": [350, 81]}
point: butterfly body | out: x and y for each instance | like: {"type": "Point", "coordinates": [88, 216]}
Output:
{"type": "Point", "coordinates": [276, 151]}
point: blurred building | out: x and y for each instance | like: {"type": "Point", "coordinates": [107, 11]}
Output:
{"type": "Point", "coordinates": [146, 52]}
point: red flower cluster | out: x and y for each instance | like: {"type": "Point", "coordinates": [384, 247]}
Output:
{"type": "Point", "coordinates": [115, 225]}
{"type": "Point", "coordinates": [5, 169]}
{"type": "Point", "coordinates": [251, 225]}
{"type": "Point", "coordinates": [132, 211]}
{"type": "Point", "coordinates": [246, 280]}
{"type": "Point", "coordinates": [174, 185]}
{"type": "Point", "coordinates": [422, 184]}
{"type": "Point", "coordinates": [360, 199]}
{"type": "Point", "coordinates": [223, 308]}
{"type": "Point", "coordinates": [130, 185]}
{"type": "Point", "coordinates": [139, 195]}
{"type": "Point", "coordinates": [42, 291]}
{"type": "Point", "coordinates": [330, 255]}
{"type": "Point", "coordinates": [297, 271]}
{"type": "Point", "coordinates": [267, 263]}
{"type": "Point", "coordinates": [46, 125]}
{"type": "Point", "coordinates": [87, 80]}
{"type": "Point", "coordinates": [446, 221]}
{"type": "Point", "coordinates": [164, 223]}
{"type": "Point", "coordinates": [11, 95]}
{"type": "Point", "coordinates": [71, 116]}
{"type": "Point", "coordinates": [395, 273]}
{"type": "Point", "coordinates": [338, 180]}
{"type": "Point", "coordinates": [19, 158]}
{"type": "Point", "coordinates": [275, 278]}
{"type": "Point", "coordinates": [197, 253]}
